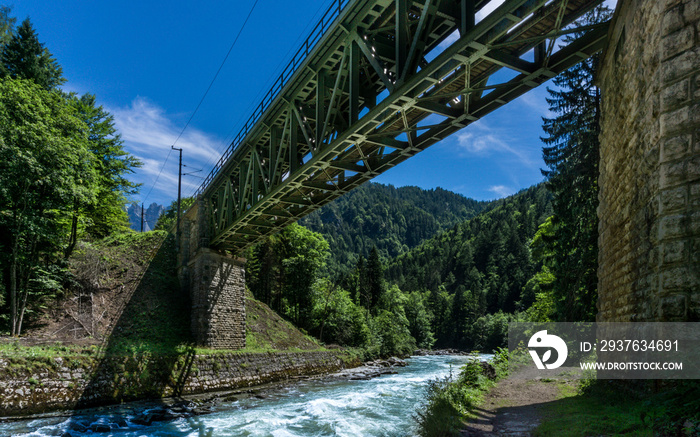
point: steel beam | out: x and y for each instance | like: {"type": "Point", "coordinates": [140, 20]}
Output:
{"type": "Point", "coordinates": [337, 119]}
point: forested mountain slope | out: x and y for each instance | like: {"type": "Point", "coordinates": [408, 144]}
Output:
{"type": "Point", "coordinates": [495, 243]}
{"type": "Point", "coordinates": [479, 267]}
{"type": "Point", "coordinates": [393, 219]}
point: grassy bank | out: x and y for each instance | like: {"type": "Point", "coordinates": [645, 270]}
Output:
{"type": "Point", "coordinates": [450, 401]}
{"type": "Point", "coordinates": [569, 408]}
{"type": "Point", "coordinates": [124, 320]}
{"type": "Point", "coordinates": [624, 408]}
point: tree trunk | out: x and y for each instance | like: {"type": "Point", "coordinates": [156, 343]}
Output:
{"type": "Point", "coordinates": [13, 291]}
{"type": "Point", "coordinates": [73, 235]}
{"type": "Point", "coordinates": [23, 307]}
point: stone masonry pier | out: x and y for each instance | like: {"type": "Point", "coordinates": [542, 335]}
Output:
{"type": "Point", "coordinates": [216, 285]}
{"type": "Point", "coordinates": [649, 230]}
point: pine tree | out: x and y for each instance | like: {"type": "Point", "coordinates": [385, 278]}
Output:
{"type": "Point", "coordinates": [24, 57]}
{"type": "Point", "coordinates": [360, 289]}
{"type": "Point", "coordinates": [458, 314]}
{"type": "Point", "coordinates": [571, 155]}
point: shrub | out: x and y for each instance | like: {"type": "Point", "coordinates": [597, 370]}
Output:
{"type": "Point", "coordinates": [449, 400]}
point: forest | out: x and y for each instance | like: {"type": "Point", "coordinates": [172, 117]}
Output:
{"type": "Point", "coordinates": [394, 220]}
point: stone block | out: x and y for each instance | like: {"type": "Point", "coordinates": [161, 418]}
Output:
{"type": "Point", "coordinates": [675, 94]}
{"type": "Point", "coordinates": [677, 42]}
{"type": "Point", "coordinates": [673, 226]}
{"type": "Point", "coordinates": [674, 251]}
{"type": "Point", "coordinates": [694, 227]}
{"type": "Point", "coordinates": [677, 278]}
{"type": "Point", "coordinates": [691, 12]}
{"type": "Point", "coordinates": [674, 199]}
{"type": "Point", "coordinates": [672, 174]}
{"type": "Point", "coordinates": [672, 20]}
{"type": "Point", "coordinates": [686, 63]}
{"type": "Point", "coordinates": [673, 307]}
{"type": "Point", "coordinates": [693, 169]}
{"type": "Point", "coordinates": [694, 303]}
{"type": "Point", "coordinates": [675, 148]}
{"type": "Point", "coordinates": [694, 195]}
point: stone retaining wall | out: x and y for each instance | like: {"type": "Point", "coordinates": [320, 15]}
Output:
{"type": "Point", "coordinates": [38, 385]}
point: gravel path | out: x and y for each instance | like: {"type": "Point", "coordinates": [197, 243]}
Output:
{"type": "Point", "coordinates": [512, 408]}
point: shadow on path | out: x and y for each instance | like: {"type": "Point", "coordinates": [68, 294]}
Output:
{"type": "Point", "coordinates": [514, 407]}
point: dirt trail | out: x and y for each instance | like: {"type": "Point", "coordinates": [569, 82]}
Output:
{"type": "Point", "coordinates": [512, 408]}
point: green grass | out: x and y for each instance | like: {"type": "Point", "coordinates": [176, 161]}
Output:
{"type": "Point", "coordinates": [583, 415]}
{"type": "Point", "coordinates": [15, 350]}
{"type": "Point", "coordinates": [615, 408]}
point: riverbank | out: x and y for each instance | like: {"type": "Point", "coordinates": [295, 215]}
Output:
{"type": "Point", "coordinates": [571, 408]}
{"type": "Point", "coordinates": [514, 406]}
{"type": "Point", "coordinates": [40, 384]}
{"type": "Point", "coordinates": [322, 405]}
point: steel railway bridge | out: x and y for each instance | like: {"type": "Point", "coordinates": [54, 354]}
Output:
{"type": "Point", "coordinates": [376, 82]}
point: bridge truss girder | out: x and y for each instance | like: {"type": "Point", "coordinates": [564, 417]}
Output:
{"type": "Point", "coordinates": [370, 95]}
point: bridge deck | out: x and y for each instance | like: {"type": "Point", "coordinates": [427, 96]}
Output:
{"type": "Point", "coordinates": [377, 88]}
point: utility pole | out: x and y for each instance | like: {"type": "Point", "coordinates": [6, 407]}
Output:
{"type": "Point", "coordinates": [141, 217]}
{"type": "Point", "coordinates": [179, 191]}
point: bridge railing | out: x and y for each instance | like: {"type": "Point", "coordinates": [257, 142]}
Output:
{"type": "Point", "coordinates": [302, 53]}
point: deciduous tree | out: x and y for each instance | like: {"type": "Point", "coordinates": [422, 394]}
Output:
{"type": "Point", "coordinates": [45, 168]}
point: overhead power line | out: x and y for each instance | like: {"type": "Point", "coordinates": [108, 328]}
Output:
{"type": "Point", "coordinates": [217, 71]}
{"type": "Point", "coordinates": [157, 177]}
{"type": "Point", "coordinates": [284, 60]}
{"type": "Point", "coordinates": [203, 97]}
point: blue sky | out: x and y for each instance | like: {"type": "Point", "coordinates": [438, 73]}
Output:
{"type": "Point", "coordinates": [150, 62]}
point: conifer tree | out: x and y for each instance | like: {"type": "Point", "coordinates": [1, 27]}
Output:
{"type": "Point", "coordinates": [24, 57]}
{"type": "Point", "coordinates": [113, 163]}
{"type": "Point", "coordinates": [571, 155]}
{"type": "Point", "coordinates": [375, 277]}
{"type": "Point", "coordinates": [7, 25]}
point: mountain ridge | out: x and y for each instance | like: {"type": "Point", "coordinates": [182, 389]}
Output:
{"type": "Point", "coordinates": [150, 215]}
{"type": "Point", "coordinates": [394, 219]}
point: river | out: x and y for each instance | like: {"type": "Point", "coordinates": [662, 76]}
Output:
{"type": "Point", "coordinates": [383, 406]}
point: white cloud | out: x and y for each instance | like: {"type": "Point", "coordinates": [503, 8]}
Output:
{"type": "Point", "coordinates": [535, 100]}
{"type": "Point", "coordinates": [451, 38]}
{"type": "Point", "coordinates": [148, 133]}
{"type": "Point", "coordinates": [488, 8]}
{"type": "Point", "coordinates": [501, 190]}
{"type": "Point", "coordinates": [480, 139]}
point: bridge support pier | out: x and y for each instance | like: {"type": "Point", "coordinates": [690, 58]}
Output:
{"type": "Point", "coordinates": [217, 290]}
{"type": "Point", "coordinates": [649, 229]}
{"type": "Point", "coordinates": [216, 285]}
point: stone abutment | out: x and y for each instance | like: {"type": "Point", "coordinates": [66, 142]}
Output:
{"type": "Point", "coordinates": [216, 285]}
{"type": "Point", "coordinates": [649, 229]}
